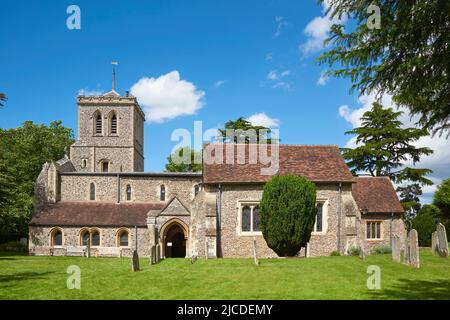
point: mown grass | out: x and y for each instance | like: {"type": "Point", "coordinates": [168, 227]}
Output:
{"type": "Point", "coordinates": [28, 277]}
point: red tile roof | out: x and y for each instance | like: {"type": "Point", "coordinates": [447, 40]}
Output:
{"type": "Point", "coordinates": [95, 214]}
{"type": "Point", "coordinates": [316, 163]}
{"type": "Point", "coordinates": [376, 195]}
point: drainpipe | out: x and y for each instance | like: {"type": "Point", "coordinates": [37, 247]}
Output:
{"type": "Point", "coordinates": [339, 219]}
{"type": "Point", "coordinates": [218, 221]}
{"type": "Point", "coordinates": [118, 189]}
{"type": "Point", "coordinates": [390, 228]}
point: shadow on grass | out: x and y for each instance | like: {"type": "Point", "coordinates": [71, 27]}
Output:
{"type": "Point", "coordinates": [416, 290]}
{"type": "Point", "coordinates": [22, 276]}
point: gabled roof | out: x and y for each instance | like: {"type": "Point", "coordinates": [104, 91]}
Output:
{"type": "Point", "coordinates": [316, 163]}
{"type": "Point", "coordinates": [376, 195]}
{"type": "Point", "coordinates": [95, 214]}
{"type": "Point", "coordinates": [175, 207]}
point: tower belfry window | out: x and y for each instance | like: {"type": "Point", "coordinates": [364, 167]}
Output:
{"type": "Point", "coordinates": [114, 124]}
{"type": "Point", "coordinates": [98, 124]}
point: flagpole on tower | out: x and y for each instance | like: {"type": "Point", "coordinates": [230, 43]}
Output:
{"type": "Point", "coordinates": [114, 63]}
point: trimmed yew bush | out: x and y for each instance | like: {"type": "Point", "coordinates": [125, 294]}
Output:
{"type": "Point", "coordinates": [288, 211]}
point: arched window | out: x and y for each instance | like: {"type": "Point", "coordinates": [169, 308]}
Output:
{"type": "Point", "coordinates": [113, 129]}
{"type": "Point", "coordinates": [85, 238]}
{"type": "Point", "coordinates": [128, 192]}
{"type": "Point", "coordinates": [98, 124]}
{"type": "Point", "coordinates": [95, 238]}
{"type": "Point", "coordinates": [246, 218]}
{"type": "Point", "coordinates": [57, 238]}
{"type": "Point", "coordinates": [92, 191]}
{"type": "Point", "coordinates": [162, 193]}
{"type": "Point", "coordinates": [123, 238]}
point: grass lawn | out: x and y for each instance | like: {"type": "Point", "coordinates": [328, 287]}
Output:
{"type": "Point", "coordinates": [28, 277]}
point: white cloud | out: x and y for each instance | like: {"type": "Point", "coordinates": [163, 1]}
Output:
{"type": "Point", "coordinates": [269, 56]}
{"type": "Point", "coordinates": [281, 23]}
{"type": "Point", "coordinates": [439, 161]}
{"type": "Point", "coordinates": [86, 92]}
{"type": "Point", "coordinates": [167, 97]}
{"type": "Point", "coordinates": [262, 119]}
{"type": "Point", "coordinates": [317, 30]}
{"type": "Point", "coordinates": [323, 79]}
{"type": "Point", "coordinates": [276, 77]}
{"type": "Point", "coordinates": [219, 83]}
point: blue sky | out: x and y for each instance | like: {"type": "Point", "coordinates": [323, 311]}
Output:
{"type": "Point", "coordinates": [255, 50]}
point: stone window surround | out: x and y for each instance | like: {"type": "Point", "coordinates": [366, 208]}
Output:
{"type": "Point", "coordinates": [129, 187]}
{"type": "Point", "coordinates": [381, 231]}
{"type": "Point", "coordinates": [240, 205]}
{"type": "Point", "coordinates": [90, 231]}
{"type": "Point", "coordinates": [325, 205]}
{"type": "Point", "coordinates": [166, 192]}
{"type": "Point", "coordinates": [89, 191]}
{"type": "Point", "coordinates": [119, 233]}
{"type": "Point", "coordinates": [84, 162]}
{"type": "Point", "coordinates": [94, 117]}
{"type": "Point", "coordinates": [51, 234]}
{"type": "Point", "coordinates": [109, 121]}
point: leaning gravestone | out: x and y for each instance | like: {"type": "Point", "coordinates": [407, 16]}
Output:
{"type": "Point", "coordinates": [414, 260]}
{"type": "Point", "coordinates": [434, 243]}
{"type": "Point", "coordinates": [135, 262]}
{"type": "Point", "coordinates": [442, 241]}
{"type": "Point", "coordinates": [395, 244]}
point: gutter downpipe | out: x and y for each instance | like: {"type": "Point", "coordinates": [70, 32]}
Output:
{"type": "Point", "coordinates": [118, 189]}
{"type": "Point", "coordinates": [339, 219]}
{"type": "Point", "coordinates": [218, 224]}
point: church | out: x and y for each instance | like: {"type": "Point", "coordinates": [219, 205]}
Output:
{"type": "Point", "coordinates": [99, 198]}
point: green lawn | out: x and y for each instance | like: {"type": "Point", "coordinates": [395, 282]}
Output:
{"type": "Point", "coordinates": [27, 277]}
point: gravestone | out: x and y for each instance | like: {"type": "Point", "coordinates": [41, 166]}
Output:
{"type": "Point", "coordinates": [135, 261]}
{"type": "Point", "coordinates": [153, 255]}
{"type": "Point", "coordinates": [395, 246]}
{"type": "Point", "coordinates": [158, 253]}
{"type": "Point", "coordinates": [406, 254]}
{"type": "Point", "coordinates": [414, 260]}
{"type": "Point", "coordinates": [442, 241]}
{"type": "Point", "coordinates": [434, 243]}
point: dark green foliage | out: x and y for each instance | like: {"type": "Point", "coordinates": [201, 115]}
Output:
{"type": "Point", "coordinates": [425, 224]}
{"type": "Point", "coordinates": [184, 160]}
{"type": "Point", "coordinates": [384, 145]}
{"type": "Point", "coordinates": [23, 151]}
{"type": "Point", "coordinates": [442, 198]}
{"type": "Point", "coordinates": [288, 210]}
{"type": "Point", "coordinates": [242, 131]}
{"type": "Point", "coordinates": [408, 57]}
{"type": "Point", "coordinates": [354, 251]}
{"type": "Point", "coordinates": [409, 198]}
{"type": "Point", "coordinates": [335, 254]}
{"type": "Point", "coordinates": [381, 250]}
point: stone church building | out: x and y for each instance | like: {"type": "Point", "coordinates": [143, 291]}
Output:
{"type": "Point", "coordinates": [99, 196]}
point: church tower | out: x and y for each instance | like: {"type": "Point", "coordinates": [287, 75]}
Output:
{"type": "Point", "coordinates": [110, 134]}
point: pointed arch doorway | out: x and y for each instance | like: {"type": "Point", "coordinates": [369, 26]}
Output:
{"type": "Point", "coordinates": [174, 239]}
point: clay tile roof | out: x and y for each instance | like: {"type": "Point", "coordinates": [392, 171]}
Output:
{"type": "Point", "coordinates": [316, 163]}
{"type": "Point", "coordinates": [95, 214]}
{"type": "Point", "coordinates": [376, 195]}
